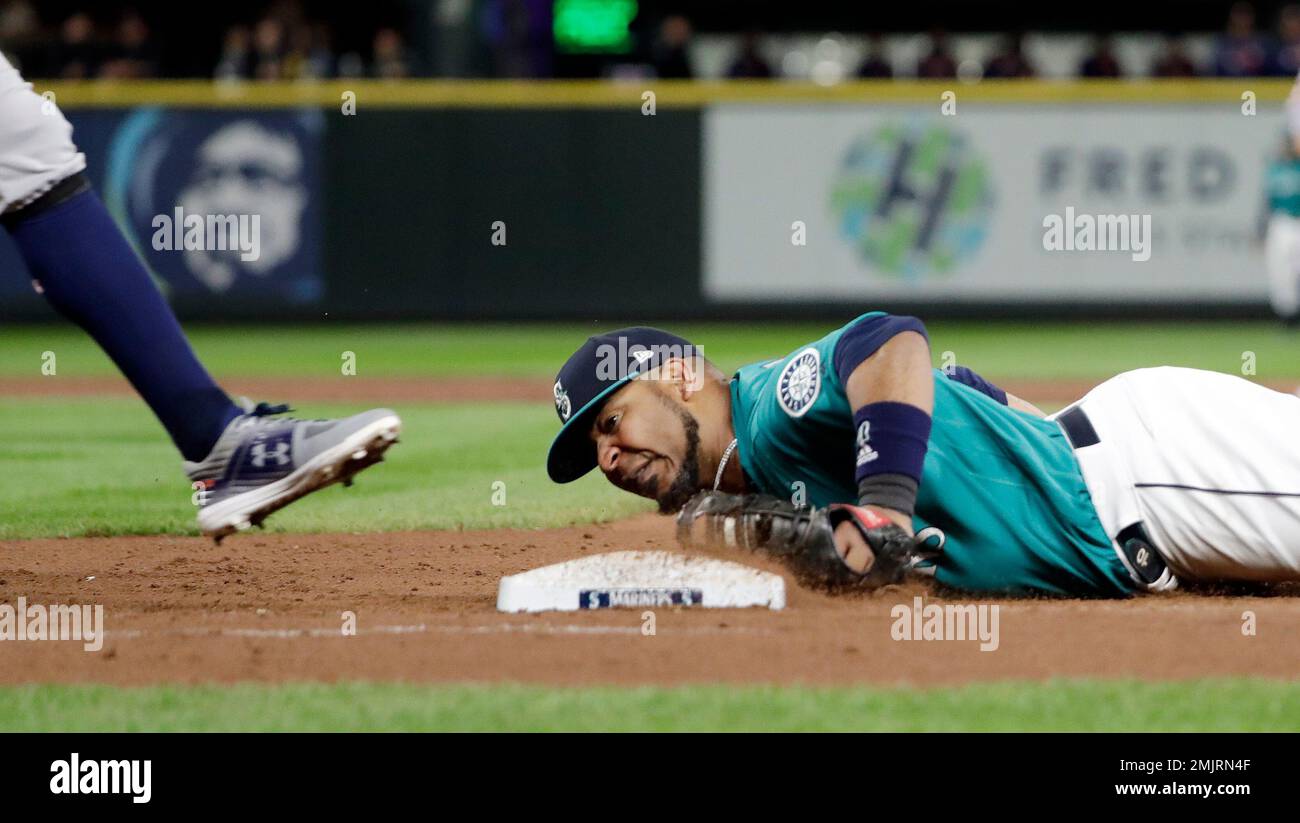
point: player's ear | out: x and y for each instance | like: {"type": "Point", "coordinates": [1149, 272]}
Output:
{"type": "Point", "coordinates": [684, 375]}
{"type": "Point", "coordinates": [670, 370]}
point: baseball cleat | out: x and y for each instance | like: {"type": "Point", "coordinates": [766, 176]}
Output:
{"type": "Point", "coordinates": [261, 464]}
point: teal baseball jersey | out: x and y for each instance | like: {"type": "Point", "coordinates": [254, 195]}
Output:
{"type": "Point", "coordinates": [1282, 182]}
{"type": "Point", "coordinates": [1002, 485]}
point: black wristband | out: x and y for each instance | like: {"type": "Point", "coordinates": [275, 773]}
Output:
{"type": "Point", "coordinates": [889, 491]}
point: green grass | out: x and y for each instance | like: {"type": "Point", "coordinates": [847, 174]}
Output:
{"type": "Point", "coordinates": [1001, 349]}
{"type": "Point", "coordinates": [1063, 705]}
{"type": "Point", "coordinates": [104, 466]}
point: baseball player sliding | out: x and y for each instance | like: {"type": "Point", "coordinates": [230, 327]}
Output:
{"type": "Point", "coordinates": [244, 460]}
{"type": "Point", "coordinates": [855, 461]}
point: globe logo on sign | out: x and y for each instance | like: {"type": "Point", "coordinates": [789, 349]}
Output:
{"type": "Point", "coordinates": [913, 199]}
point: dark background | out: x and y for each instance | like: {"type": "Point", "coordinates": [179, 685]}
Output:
{"type": "Point", "coordinates": [187, 37]}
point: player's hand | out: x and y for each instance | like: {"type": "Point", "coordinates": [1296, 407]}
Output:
{"type": "Point", "coordinates": [863, 533]}
{"type": "Point", "coordinates": [852, 544]}
{"type": "Point", "coordinates": [853, 548]}
{"type": "Point", "coordinates": [904, 521]}
{"type": "Point", "coordinates": [811, 542]}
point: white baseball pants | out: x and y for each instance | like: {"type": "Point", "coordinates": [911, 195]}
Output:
{"type": "Point", "coordinates": [1209, 463]}
{"type": "Point", "coordinates": [36, 148]}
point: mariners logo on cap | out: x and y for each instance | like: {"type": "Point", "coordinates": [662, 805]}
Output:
{"type": "Point", "coordinates": [800, 382]}
{"type": "Point", "coordinates": [562, 405]}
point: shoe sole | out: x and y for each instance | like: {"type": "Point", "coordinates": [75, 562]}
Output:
{"type": "Point", "coordinates": [362, 449]}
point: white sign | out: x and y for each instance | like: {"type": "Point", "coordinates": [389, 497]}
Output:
{"type": "Point", "coordinates": [897, 201]}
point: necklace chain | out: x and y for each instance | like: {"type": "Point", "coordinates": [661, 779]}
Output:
{"type": "Point", "coordinates": [722, 465]}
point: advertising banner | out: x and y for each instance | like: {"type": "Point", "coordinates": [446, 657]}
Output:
{"type": "Point", "coordinates": [1090, 203]}
{"type": "Point", "coordinates": [224, 206]}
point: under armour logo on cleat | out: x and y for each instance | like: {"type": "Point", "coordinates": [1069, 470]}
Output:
{"type": "Point", "coordinates": [280, 455]}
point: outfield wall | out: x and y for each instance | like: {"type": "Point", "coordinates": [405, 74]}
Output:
{"type": "Point", "coordinates": [391, 201]}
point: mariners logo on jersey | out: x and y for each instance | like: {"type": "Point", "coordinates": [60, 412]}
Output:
{"type": "Point", "coordinates": [865, 453]}
{"type": "Point", "coordinates": [800, 382]}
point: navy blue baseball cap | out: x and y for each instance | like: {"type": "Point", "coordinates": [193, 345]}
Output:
{"type": "Point", "coordinates": [603, 364]}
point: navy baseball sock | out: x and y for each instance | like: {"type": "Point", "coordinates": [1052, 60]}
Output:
{"type": "Point", "coordinates": [92, 276]}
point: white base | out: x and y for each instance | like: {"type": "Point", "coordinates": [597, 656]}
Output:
{"type": "Point", "coordinates": [640, 580]}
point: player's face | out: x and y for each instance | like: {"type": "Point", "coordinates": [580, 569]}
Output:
{"type": "Point", "coordinates": [647, 443]}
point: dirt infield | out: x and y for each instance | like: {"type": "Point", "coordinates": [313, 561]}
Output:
{"type": "Point", "coordinates": [268, 608]}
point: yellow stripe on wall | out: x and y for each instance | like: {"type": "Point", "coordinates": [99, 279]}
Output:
{"type": "Point", "coordinates": [668, 93]}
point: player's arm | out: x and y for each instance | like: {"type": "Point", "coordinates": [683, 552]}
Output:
{"type": "Point", "coordinates": [1024, 406]}
{"type": "Point", "coordinates": [965, 376]}
{"type": "Point", "coordinates": [883, 362]}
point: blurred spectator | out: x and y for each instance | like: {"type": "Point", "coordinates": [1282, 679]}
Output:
{"type": "Point", "coordinates": [1240, 51]}
{"type": "Point", "coordinates": [18, 23]}
{"type": "Point", "coordinates": [1286, 61]}
{"type": "Point", "coordinates": [283, 45]}
{"type": "Point", "coordinates": [1173, 62]}
{"type": "Point", "coordinates": [131, 53]}
{"type": "Point", "coordinates": [76, 53]}
{"type": "Point", "coordinates": [518, 36]}
{"type": "Point", "coordinates": [938, 62]}
{"type": "Point", "coordinates": [670, 54]}
{"type": "Point", "coordinates": [350, 64]}
{"type": "Point", "coordinates": [309, 57]}
{"type": "Point", "coordinates": [268, 49]}
{"type": "Point", "coordinates": [749, 63]}
{"type": "Point", "coordinates": [236, 61]}
{"type": "Point", "coordinates": [503, 24]}
{"type": "Point", "coordinates": [19, 30]}
{"type": "Point", "coordinates": [875, 63]}
{"type": "Point", "coordinates": [514, 38]}
{"type": "Point", "coordinates": [390, 58]}
{"type": "Point", "coordinates": [322, 51]}
{"type": "Point", "coordinates": [1011, 61]}
{"type": "Point", "coordinates": [1102, 62]}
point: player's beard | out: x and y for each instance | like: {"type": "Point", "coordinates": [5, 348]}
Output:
{"type": "Point", "coordinates": [687, 481]}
